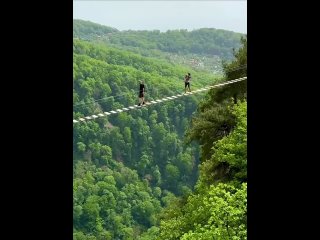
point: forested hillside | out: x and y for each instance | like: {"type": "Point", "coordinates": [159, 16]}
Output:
{"type": "Point", "coordinates": [88, 30]}
{"type": "Point", "coordinates": [217, 209]}
{"type": "Point", "coordinates": [200, 49]}
{"type": "Point", "coordinates": [133, 169]}
{"type": "Point", "coordinates": [137, 157]}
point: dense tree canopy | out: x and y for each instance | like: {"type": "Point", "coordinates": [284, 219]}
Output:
{"type": "Point", "coordinates": [217, 209]}
{"type": "Point", "coordinates": [148, 143]}
{"type": "Point", "coordinates": [135, 174]}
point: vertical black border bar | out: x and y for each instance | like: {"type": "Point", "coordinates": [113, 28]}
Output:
{"type": "Point", "coordinates": [276, 121]}
{"type": "Point", "coordinates": [37, 159]}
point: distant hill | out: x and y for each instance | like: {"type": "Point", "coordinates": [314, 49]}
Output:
{"type": "Point", "coordinates": [202, 42]}
{"type": "Point", "coordinates": [89, 30]}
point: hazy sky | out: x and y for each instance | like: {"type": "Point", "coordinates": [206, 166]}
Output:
{"type": "Point", "coordinates": [164, 15]}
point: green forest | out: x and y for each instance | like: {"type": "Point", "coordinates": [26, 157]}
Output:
{"type": "Point", "coordinates": [202, 48]}
{"type": "Point", "coordinates": [173, 170]}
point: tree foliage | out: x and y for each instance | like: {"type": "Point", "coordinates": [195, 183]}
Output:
{"type": "Point", "coordinates": [134, 175]}
{"type": "Point", "coordinates": [204, 41]}
{"type": "Point", "coordinates": [217, 209]}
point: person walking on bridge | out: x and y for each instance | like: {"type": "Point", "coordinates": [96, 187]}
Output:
{"type": "Point", "coordinates": [187, 80]}
{"type": "Point", "coordinates": [141, 93]}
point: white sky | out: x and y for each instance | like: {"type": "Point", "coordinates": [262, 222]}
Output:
{"type": "Point", "coordinates": [164, 15]}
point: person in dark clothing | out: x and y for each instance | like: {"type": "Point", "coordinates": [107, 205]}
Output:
{"type": "Point", "coordinates": [141, 93]}
{"type": "Point", "coordinates": [187, 80]}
